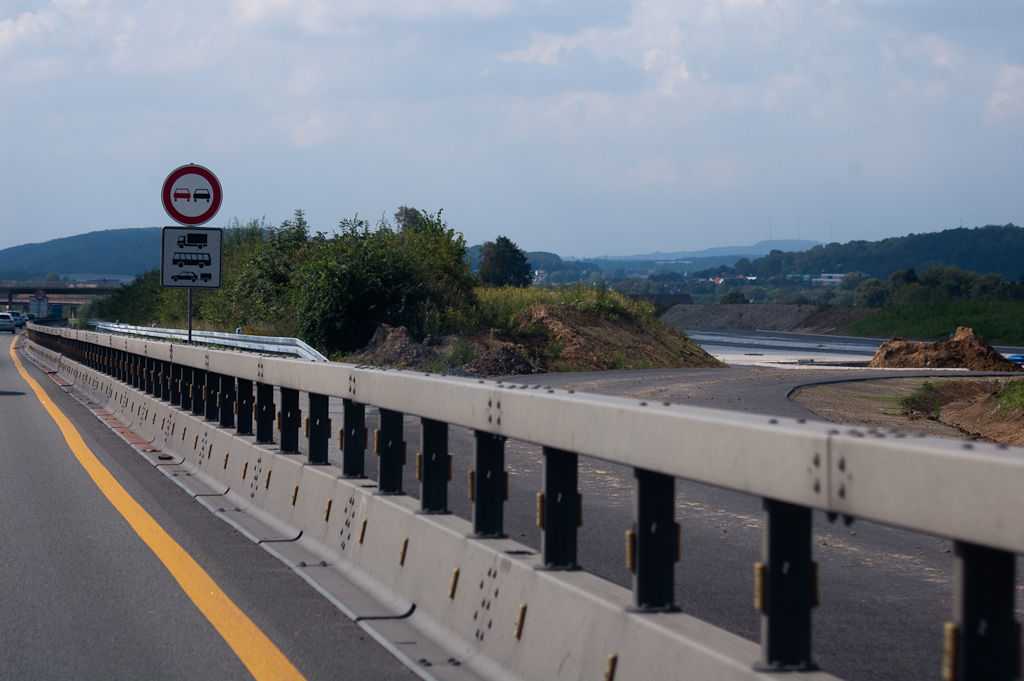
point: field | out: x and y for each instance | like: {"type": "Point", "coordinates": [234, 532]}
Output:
{"type": "Point", "coordinates": [997, 322]}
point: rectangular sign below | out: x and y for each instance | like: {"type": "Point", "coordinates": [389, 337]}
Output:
{"type": "Point", "coordinates": [191, 257]}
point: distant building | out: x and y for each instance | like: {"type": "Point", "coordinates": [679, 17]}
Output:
{"type": "Point", "coordinates": [540, 275]}
{"type": "Point", "coordinates": [828, 279]}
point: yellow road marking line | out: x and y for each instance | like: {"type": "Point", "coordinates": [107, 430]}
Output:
{"type": "Point", "coordinates": [257, 652]}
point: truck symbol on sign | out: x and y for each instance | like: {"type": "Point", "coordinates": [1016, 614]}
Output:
{"type": "Point", "coordinates": [197, 240]}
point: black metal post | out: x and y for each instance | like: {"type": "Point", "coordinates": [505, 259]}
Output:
{"type": "Point", "coordinates": [227, 401]}
{"type": "Point", "coordinates": [986, 635]}
{"type": "Point", "coordinates": [319, 428]}
{"type": "Point", "coordinates": [164, 378]}
{"type": "Point", "coordinates": [354, 440]}
{"type": "Point", "coordinates": [187, 387]}
{"type": "Point", "coordinates": [264, 413]}
{"type": "Point", "coordinates": [434, 466]}
{"type": "Point", "coordinates": [655, 532]}
{"type": "Point", "coordinates": [212, 396]}
{"type": "Point", "coordinates": [289, 421]}
{"type": "Point", "coordinates": [149, 373]}
{"type": "Point", "coordinates": [788, 587]}
{"type": "Point", "coordinates": [199, 378]}
{"type": "Point", "coordinates": [489, 485]}
{"type": "Point", "coordinates": [559, 510]}
{"type": "Point", "coordinates": [136, 371]}
{"type": "Point", "coordinates": [176, 384]}
{"type": "Point", "coordinates": [244, 407]}
{"type": "Point", "coordinates": [391, 452]}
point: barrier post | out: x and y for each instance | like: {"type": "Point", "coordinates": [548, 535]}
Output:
{"type": "Point", "coordinates": [558, 511]}
{"type": "Point", "coordinates": [655, 532]}
{"type": "Point", "coordinates": [264, 413]}
{"type": "Point", "coordinates": [227, 401]}
{"type": "Point", "coordinates": [187, 387]}
{"type": "Point", "coordinates": [148, 373]}
{"type": "Point", "coordinates": [198, 384]}
{"type": "Point", "coordinates": [489, 485]}
{"type": "Point", "coordinates": [788, 587]}
{"type": "Point", "coordinates": [212, 393]}
{"type": "Point", "coordinates": [986, 637]}
{"type": "Point", "coordinates": [289, 421]}
{"type": "Point", "coordinates": [245, 403]}
{"type": "Point", "coordinates": [319, 430]}
{"type": "Point", "coordinates": [389, 478]}
{"type": "Point", "coordinates": [175, 385]}
{"type": "Point", "coordinates": [434, 470]}
{"type": "Point", "coordinates": [354, 440]}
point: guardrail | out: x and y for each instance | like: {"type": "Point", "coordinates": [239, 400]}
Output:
{"type": "Point", "coordinates": [272, 344]}
{"type": "Point", "coordinates": [968, 492]}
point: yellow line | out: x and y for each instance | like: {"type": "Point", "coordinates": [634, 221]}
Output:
{"type": "Point", "coordinates": [259, 655]}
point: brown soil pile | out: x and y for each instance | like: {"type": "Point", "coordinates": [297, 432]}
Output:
{"type": "Point", "coordinates": [504, 360]}
{"type": "Point", "coordinates": [393, 346]}
{"type": "Point", "coordinates": [967, 349]}
{"type": "Point", "coordinates": [574, 341]}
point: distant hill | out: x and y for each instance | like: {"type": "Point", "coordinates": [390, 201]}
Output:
{"type": "Point", "coordinates": [987, 249]}
{"type": "Point", "coordinates": [114, 252]}
{"type": "Point", "coordinates": [722, 252]}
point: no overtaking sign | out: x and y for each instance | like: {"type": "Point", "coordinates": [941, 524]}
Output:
{"type": "Point", "coordinates": [191, 195]}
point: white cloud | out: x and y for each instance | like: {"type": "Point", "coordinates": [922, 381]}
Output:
{"type": "Point", "coordinates": [1007, 99]}
{"type": "Point", "coordinates": [658, 171]}
{"type": "Point", "coordinates": [316, 129]}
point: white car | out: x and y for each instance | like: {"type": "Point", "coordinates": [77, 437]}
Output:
{"type": "Point", "coordinates": [19, 319]}
{"type": "Point", "coordinates": [7, 323]}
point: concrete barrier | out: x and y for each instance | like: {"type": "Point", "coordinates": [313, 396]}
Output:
{"type": "Point", "coordinates": [461, 607]}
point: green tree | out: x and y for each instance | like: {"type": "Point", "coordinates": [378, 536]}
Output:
{"type": "Point", "coordinates": [870, 293]}
{"type": "Point", "coordinates": [733, 298]}
{"type": "Point", "coordinates": [851, 281]}
{"type": "Point", "coordinates": [502, 263]}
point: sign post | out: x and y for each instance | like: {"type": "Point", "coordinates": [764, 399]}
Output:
{"type": "Point", "coordinates": [191, 256]}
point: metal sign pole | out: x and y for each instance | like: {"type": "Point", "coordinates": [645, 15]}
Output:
{"type": "Point", "coordinates": [190, 316]}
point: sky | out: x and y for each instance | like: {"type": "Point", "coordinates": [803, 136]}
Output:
{"type": "Point", "coordinates": [579, 127]}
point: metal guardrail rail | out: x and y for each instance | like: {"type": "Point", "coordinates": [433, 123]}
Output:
{"type": "Point", "coordinates": [271, 344]}
{"type": "Point", "coordinates": [968, 492]}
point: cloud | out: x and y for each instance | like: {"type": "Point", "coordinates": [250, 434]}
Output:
{"type": "Point", "coordinates": [1007, 99]}
{"type": "Point", "coordinates": [658, 171]}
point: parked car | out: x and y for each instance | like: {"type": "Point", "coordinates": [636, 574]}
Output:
{"type": "Point", "coordinates": [7, 323]}
{"type": "Point", "coordinates": [19, 319]}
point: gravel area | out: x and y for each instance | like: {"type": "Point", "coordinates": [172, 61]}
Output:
{"type": "Point", "coordinates": [755, 317]}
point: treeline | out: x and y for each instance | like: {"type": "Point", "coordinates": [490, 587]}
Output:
{"type": "Point", "coordinates": [332, 291]}
{"type": "Point", "coordinates": [984, 249]}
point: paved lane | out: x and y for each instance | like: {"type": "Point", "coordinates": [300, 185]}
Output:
{"type": "Point", "coordinates": [82, 596]}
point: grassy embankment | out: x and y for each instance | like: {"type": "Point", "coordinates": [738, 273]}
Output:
{"type": "Point", "coordinates": [997, 322]}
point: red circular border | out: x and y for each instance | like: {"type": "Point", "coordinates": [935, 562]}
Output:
{"type": "Point", "coordinates": [165, 195]}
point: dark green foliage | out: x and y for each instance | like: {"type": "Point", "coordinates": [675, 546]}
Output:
{"type": "Point", "coordinates": [984, 249]}
{"type": "Point", "coordinates": [733, 298]}
{"type": "Point", "coordinates": [870, 293]}
{"type": "Point", "coordinates": [502, 263]}
{"type": "Point", "coordinates": [358, 282]}
{"type": "Point", "coordinates": [997, 322]}
{"type": "Point", "coordinates": [136, 303]}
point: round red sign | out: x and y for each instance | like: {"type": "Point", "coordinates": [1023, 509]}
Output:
{"type": "Point", "coordinates": [191, 195]}
{"type": "Point", "coordinates": [40, 294]}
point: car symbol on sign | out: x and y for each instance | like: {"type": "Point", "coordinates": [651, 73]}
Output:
{"type": "Point", "coordinates": [185, 276]}
{"type": "Point", "coordinates": [182, 194]}
{"type": "Point", "coordinates": [201, 194]}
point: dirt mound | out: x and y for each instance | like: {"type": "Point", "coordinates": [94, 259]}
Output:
{"type": "Point", "coordinates": [966, 349]}
{"type": "Point", "coordinates": [393, 346]}
{"type": "Point", "coordinates": [504, 360]}
{"type": "Point", "coordinates": [574, 341]}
